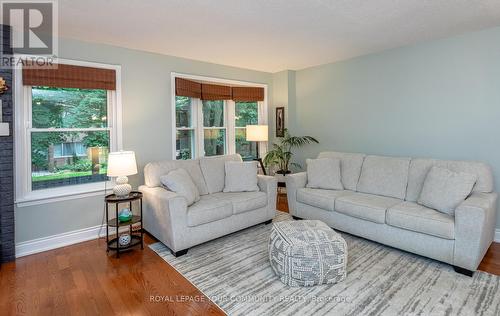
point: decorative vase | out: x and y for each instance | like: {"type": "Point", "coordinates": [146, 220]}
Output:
{"type": "Point", "coordinates": [122, 188]}
{"type": "Point", "coordinates": [125, 215]}
{"type": "Point", "coordinates": [124, 240]}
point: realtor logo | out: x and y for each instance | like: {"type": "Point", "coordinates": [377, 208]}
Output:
{"type": "Point", "coordinates": [33, 26]}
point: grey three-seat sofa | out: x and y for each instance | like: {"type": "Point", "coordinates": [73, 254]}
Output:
{"type": "Point", "coordinates": [168, 217]}
{"type": "Point", "coordinates": [379, 203]}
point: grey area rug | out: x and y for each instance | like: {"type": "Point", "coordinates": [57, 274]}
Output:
{"type": "Point", "coordinates": [234, 272]}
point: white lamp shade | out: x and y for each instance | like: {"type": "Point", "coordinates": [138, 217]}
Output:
{"type": "Point", "coordinates": [257, 133]}
{"type": "Point", "coordinates": [121, 163]}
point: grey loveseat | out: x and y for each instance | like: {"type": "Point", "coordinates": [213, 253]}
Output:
{"type": "Point", "coordinates": [379, 203]}
{"type": "Point", "coordinates": [168, 218]}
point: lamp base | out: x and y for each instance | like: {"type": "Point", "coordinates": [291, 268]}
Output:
{"type": "Point", "coordinates": [122, 188]}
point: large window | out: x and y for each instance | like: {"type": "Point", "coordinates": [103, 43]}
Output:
{"type": "Point", "coordinates": [69, 136]}
{"type": "Point", "coordinates": [215, 127]}
{"type": "Point", "coordinates": [64, 133]}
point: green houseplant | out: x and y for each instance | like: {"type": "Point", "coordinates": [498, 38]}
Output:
{"type": "Point", "coordinates": [281, 154]}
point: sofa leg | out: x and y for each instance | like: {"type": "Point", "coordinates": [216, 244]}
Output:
{"type": "Point", "coordinates": [268, 222]}
{"type": "Point", "coordinates": [463, 271]}
{"type": "Point", "coordinates": [179, 253]}
{"type": "Point", "coordinates": [297, 218]}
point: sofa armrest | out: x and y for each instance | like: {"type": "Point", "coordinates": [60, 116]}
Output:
{"type": "Point", "coordinates": [269, 185]}
{"type": "Point", "coordinates": [293, 183]}
{"type": "Point", "coordinates": [475, 221]}
{"type": "Point", "coordinates": [165, 214]}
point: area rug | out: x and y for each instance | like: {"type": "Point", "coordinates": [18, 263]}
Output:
{"type": "Point", "coordinates": [234, 272]}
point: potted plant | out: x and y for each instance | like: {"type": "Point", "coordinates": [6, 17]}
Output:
{"type": "Point", "coordinates": [281, 154]}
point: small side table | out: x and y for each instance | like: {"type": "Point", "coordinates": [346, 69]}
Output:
{"type": "Point", "coordinates": [136, 238]}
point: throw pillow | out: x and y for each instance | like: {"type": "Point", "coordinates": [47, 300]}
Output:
{"type": "Point", "coordinates": [324, 173]}
{"type": "Point", "coordinates": [241, 176]}
{"type": "Point", "coordinates": [444, 189]}
{"type": "Point", "coordinates": [180, 182]}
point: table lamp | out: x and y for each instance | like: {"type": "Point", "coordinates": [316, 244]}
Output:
{"type": "Point", "coordinates": [121, 164]}
{"type": "Point", "coordinates": [258, 133]}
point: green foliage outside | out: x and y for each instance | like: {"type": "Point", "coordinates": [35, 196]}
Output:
{"type": "Point", "coordinates": [67, 108]}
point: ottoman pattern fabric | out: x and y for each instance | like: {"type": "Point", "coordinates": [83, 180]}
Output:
{"type": "Point", "coordinates": [307, 253]}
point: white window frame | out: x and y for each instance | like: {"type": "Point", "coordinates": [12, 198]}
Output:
{"type": "Point", "coordinates": [229, 111]}
{"type": "Point", "coordinates": [25, 196]}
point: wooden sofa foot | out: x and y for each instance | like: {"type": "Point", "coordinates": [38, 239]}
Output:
{"type": "Point", "coordinates": [268, 222]}
{"type": "Point", "coordinates": [179, 253]}
{"type": "Point", "coordinates": [463, 271]}
{"type": "Point", "coordinates": [297, 218]}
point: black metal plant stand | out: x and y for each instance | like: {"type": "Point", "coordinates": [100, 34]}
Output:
{"type": "Point", "coordinates": [136, 237]}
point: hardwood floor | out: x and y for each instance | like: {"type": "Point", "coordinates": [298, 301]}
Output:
{"type": "Point", "coordinates": [83, 280]}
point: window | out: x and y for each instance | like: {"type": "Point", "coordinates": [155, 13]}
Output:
{"type": "Point", "coordinates": [184, 143]}
{"type": "Point", "coordinates": [215, 127]}
{"type": "Point", "coordinates": [64, 134]}
{"type": "Point", "coordinates": [69, 136]}
{"type": "Point", "coordinates": [246, 113]}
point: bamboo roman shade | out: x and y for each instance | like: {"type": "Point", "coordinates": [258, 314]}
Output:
{"type": "Point", "coordinates": [187, 88]}
{"type": "Point", "coordinates": [215, 92]}
{"type": "Point", "coordinates": [248, 94]}
{"type": "Point", "coordinates": [207, 91]}
{"type": "Point", "coordinates": [70, 76]}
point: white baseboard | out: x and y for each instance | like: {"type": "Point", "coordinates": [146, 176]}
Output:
{"type": "Point", "coordinates": [56, 241]}
{"type": "Point", "coordinates": [497, 235]}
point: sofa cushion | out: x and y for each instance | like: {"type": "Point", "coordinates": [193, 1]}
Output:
{"type": "Point", "coordinates": [240, 176]}
{"type": "Point", "coordinates": [420, 167]}
{"type": "Point", "coordinates": [243, 201]}
{"type": "Point", "coordinates": [324, 173]}
{"type": "Point", "coordinates": [324, 199]}
{"type": "Point", "coordinates": [365, 206]}
{"type": "Point", "coordinates": [208, 209]}
{"type": "Point", "coordinates": [386, 176]}
{"type": "Point", "coordinates": [444, 189]}
{"type": "Point", "coordinates": [154, 170]}
{"type": "Point", "coordinates": [213, 171]}
{"type": "Point", "coordinates": [350, 167]}
{"type": "Point", "coordinates": [180, 182]}
{"type": "Point", "coordinates": [418, 218]}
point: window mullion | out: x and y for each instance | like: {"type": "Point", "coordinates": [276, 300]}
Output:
{"type": "Point", "coordinates": [230, 131]}
{"type": "Point", "coordinates": [199, 137]}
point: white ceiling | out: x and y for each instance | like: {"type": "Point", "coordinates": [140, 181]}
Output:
{"type": "Point", "coordinates": [271, 35]}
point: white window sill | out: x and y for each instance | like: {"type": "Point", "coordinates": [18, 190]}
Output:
{"type": "Point", "coordinates": [65, 193]}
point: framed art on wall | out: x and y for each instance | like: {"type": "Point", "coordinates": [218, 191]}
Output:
{"type": "Point", "coordinates": [280, 121]}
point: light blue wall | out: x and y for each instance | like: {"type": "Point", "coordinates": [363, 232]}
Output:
{"type": "Point", "coordinates": [147, 128]}
{"type": "Point", "coordinates": [439, 99]}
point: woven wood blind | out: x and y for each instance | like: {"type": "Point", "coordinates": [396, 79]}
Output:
{"type": "Point", "coordinates": [215, 92]}
{"type": "Point", "coordinates": [187, 88]}
{"type": "Point", "coordinates": [70, 76]}
{"type": "Point", "coordinates": [248, 94]}
{"type": "Point", "coordinates": [206, 91]}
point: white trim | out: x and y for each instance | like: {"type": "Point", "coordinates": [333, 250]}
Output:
{"type": "Point", "coordinates": [24, 195]}
{"type": "Point", "coordinates": [56, 241]}
{"type": "Point", "coordinates": [42, 244]}
{"type": "Point", "coordinates": [71, 193]}
{"type": "Point", "coordinates": [497, 235]}
{"type": "Point", "coordinates": [216, 80]}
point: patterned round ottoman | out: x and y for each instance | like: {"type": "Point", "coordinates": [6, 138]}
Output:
{"type": "Point", "coordinates": [307, 253]}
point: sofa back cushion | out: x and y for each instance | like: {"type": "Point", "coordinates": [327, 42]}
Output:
{"type": "Point", "coordinates": [387, 176]}
{"type": "Point", "coordinates": [420, 167]}
{"type": "Point", "coordinates": [350, 167]}
{"type": "Point", "coordinates": [154, 170]}
{"type": "Point", "coordinates": [213, 171]}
